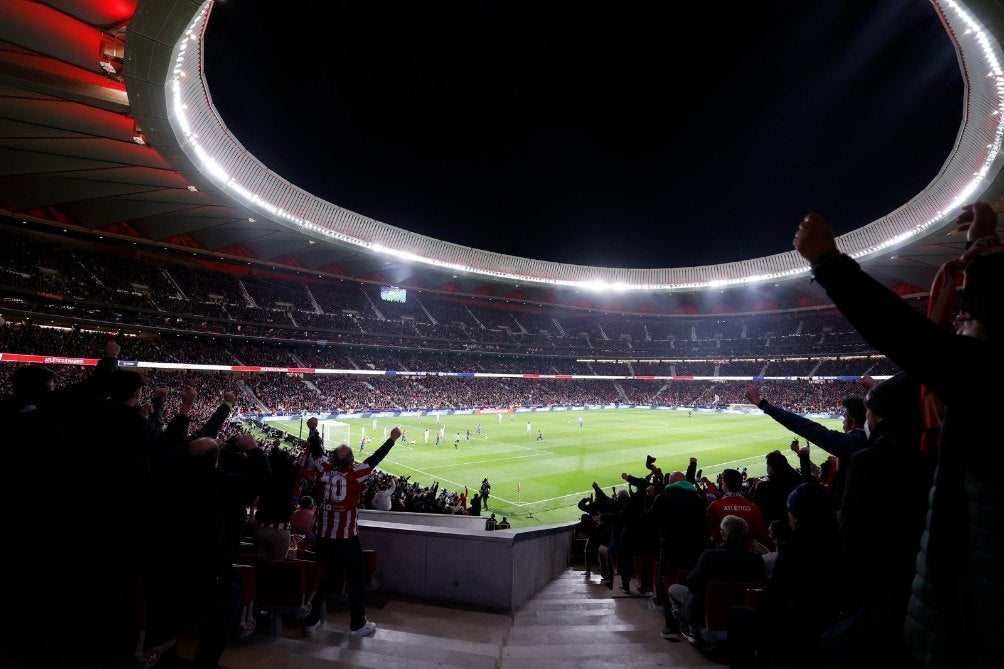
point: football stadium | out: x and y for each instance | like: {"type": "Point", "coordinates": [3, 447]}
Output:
{"type": "Point", "coordinates": [486, 336]}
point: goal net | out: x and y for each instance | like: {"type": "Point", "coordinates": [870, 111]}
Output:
{"type": "Point", "coordinates": [334, 433]}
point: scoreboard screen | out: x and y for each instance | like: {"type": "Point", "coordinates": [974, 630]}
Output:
{"type": "Point", "coordinates": [393, 294]}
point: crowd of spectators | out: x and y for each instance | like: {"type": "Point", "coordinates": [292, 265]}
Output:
{"type": "Point", "coordinates": [696, 530]}
{"type": "Point", "coordinates": [282, 393]}
{"type": "Point", "coordinates": [123, 285]}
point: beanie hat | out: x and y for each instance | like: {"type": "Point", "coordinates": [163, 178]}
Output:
{"type": "Point", "coordinates": [896, 396]}
{"type": "Point", "coordinates": [29, 381]}
{"type": "Point", "coordinates": [808, 500]}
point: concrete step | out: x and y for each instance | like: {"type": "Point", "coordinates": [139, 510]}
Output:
{"type": "Point", "coordinates": [572, 623]}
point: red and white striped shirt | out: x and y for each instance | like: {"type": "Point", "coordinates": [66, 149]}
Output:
{"type": "Point", "coordinates": [338, 508]}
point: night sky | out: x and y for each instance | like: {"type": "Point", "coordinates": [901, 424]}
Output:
{"type": "Point", "coordinates": [632, 134]}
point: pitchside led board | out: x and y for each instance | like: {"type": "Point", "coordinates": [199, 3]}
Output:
{"type": "Point", "coordinates": [393, 294]}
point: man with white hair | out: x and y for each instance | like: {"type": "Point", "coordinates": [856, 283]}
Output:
{"type": "Point", "coordinates": [731, 562]}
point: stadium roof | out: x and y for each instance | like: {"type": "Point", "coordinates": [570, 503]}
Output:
{"type": "Point", "coordinates": [107, 126]}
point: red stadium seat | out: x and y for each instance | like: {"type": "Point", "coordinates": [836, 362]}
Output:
{"type": "Point", "coordinates": [246, 577]}
{"type": "Point", "coordinates": [719, 597]}
{"type": "Point", "coordinates": [645, 564]}
{"type": "Point", "coordinates": [286, 588]}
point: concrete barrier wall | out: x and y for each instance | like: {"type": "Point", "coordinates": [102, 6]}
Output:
{"type": "Point", "coordinates": [497, 570]}
{"type": "Point", "coordinates": [426, 519]}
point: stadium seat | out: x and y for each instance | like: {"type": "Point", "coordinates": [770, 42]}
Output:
{"type": "Point", "coordinates": [116, 630]}
{"type": "Point", "coordinates": [246, 620]}
{"type": "Point", "coordinates": [753, 596]}
{"type": "Point", "coordinates": [286, 588]}
{"type": "Point", "coordinates": [645, 564]}
{"type": "Point", "coordinates": [719, 597]}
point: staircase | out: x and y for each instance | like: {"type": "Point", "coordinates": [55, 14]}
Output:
{"type": "Point", "coordinates": [657, 393]}
{"type": "Point", "coordinates": [571, 623]}
{"type": "Point", "coordinates": [561, 330]}
{"type": "Point", "coordinates": [621, 393]}
{"type": "Point", "coordinates": [314, 304]}
{"type": "Point", "coordinates": [428, 314]}
{"type": "Point", "coordinates": [251, 396]}
{"type": "Point", "coordinates": [247, 296]}
{"type": "Point", "coordinates": [471, 314]}
{"type": "Point", "coordinates": [170, 280]}
{"type": "Point", "coordinates": [373, 306]}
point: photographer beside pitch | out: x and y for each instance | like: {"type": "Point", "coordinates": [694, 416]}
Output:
{"type": "Point", "coordinates": [339, 489]}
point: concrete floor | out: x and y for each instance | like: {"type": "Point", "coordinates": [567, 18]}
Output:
{"type": "Point", "coordinates": [573, 622]}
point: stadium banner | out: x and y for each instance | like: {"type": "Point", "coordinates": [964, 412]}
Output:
{"type": "Point", "coordinates": [491, 411]}
{"type": "Point", "coordinates": [411, 413]}
{"type": "Point", "coordinates": [182, 365]}
{"type": "Point", "coordinates": [541, 409]}
{"type": "Point", "coordinates": [462, 412]}
{"type": "Point", "coordinates": [48, 359]}
{"type": "Point", "coordinates": [559, 408]}
{"type": "Point", "coordinates": [262, 369]}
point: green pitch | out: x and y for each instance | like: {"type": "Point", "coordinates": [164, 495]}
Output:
{"type": "Point", "coordinates": [540, 482]}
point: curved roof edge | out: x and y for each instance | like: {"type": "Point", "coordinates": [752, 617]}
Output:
{"type": "Point", "coordinates": [169, 95]}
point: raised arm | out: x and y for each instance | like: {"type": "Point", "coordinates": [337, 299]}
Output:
{"type": "Point", "coordinates": [885, 320]}
{"type": "Point", "coordinates": [219, 417]}
{"type": "Point", "coordinates": [839, 443]}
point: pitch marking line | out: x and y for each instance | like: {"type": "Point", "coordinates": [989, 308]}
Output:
{"type": "Point", "coordinates": [478, 462]}
{"type": "Point", "coordinates": [584, 492]}
{"type": "Point", "coordinates": [425, 473]}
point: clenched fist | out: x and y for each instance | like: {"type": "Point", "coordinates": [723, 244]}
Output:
{"type": "Point", "coordinates": [814, 239]}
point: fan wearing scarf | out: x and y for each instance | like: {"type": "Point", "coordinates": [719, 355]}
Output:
{"type": "Point", "coordinates": [958, 586]}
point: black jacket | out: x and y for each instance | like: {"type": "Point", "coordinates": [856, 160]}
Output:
{"type": "Point", "coordinates": [952, 618]}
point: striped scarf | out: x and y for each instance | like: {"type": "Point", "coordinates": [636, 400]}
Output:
{"type": "Point", "coordinates": [951, 277]}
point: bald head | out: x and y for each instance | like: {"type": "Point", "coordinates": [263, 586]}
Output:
{"type": "Point", "coordinates": [202, 446]}
{"type": "Point", "coordinates": [204, 452]}
{"type": "Point", "coordinates": [676, 477]}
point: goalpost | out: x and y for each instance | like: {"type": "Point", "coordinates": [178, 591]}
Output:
{"type": "Point", "coordinates": [334, 433]}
